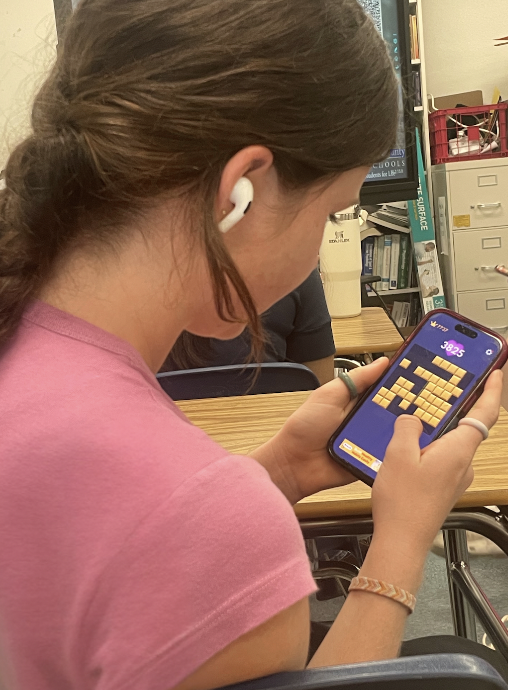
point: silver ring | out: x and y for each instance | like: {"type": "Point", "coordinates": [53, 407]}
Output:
{"type": "Point", "coordinates": [476, 424]}
{"type": "Point", "coordinates": [350, 384]}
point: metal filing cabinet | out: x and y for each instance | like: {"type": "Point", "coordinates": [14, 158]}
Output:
{"type": "Point", "coordinates": [471, 213]}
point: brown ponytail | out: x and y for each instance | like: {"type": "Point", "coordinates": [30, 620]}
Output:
{"type": "Point", "coordinates": [154, 97]}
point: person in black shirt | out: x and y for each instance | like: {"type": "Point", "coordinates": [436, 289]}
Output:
{"type": "Point", "coordinates": [297, 328]}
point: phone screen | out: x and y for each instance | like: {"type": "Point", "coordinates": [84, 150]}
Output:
{"type": "Point", "coordinates": [430, 379]}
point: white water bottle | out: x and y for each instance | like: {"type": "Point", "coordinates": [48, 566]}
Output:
{"type": "Point", "coordinates": [340, 259]}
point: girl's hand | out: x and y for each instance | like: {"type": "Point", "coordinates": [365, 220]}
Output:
{"type": "Point", "coordinates": [297, 457]}
{"type": "Point", "coordinates": [415, 490]}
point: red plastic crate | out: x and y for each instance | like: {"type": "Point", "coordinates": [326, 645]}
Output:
{"type": "Point", "coordinates": [481, 124]}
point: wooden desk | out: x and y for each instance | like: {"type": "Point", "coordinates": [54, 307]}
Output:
{"type": "Point", "coordinates": [241, 424]}
{"type": "Point", "coordinates": [371, 331]}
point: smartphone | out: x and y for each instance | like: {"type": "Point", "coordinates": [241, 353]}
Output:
{"type": "Point", "coordinates": [437, 375]}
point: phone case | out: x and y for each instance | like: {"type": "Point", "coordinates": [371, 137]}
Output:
{"type": "Point", "coordinates": [460, 412]}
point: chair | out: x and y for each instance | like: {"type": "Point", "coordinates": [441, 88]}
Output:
{"type": "Point", "coordinates": [430, 672]}
{"type": "Point", "coordinates": [237, 379]}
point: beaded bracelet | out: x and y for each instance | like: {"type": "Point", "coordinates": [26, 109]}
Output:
{"type": "Point", "coordinates": [368, 584]}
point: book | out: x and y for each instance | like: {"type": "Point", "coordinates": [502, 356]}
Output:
{"type": "Point", "coordinates": [417, 88]}
{"type": "Point", "coordinates": [375, 259]}
{"type": "Point", "coordinates": [394, 261]}
{"type": "Point", "coordinates": [413, 30]}
{"type": "Point", "coordinates": [385, 269]}
{"type": "Point", "coordinates": [400, 313]}
{"type": "Point", "coordinates": [378, 268]}
{"type": "Point", "coordinates": [404, 260]}
{"type": "Point", "coordinates": [396, 312]}
{"type": "Point", "coordinates": [368, 259]}
{"type": "Point", "coordinates": [405, 314]}
{"type": "Point", "coordinates": [414, 305]}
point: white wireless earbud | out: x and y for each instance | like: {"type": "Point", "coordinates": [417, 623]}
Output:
{"type": "Point", "coordinates": [241, 196]}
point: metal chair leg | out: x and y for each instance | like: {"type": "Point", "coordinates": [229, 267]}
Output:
{"type": "Point", "coordinates": [456, 553]}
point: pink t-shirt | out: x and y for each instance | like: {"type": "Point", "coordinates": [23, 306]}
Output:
{"type": "Point", "coordinates": [132, 547]}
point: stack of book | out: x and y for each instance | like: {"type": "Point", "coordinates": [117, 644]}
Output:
{"type": "Point", "coordinates": [389, 254]}
{"type": "Point", "coordinates": [407, 313]}
{"type": "Point", "coordinates": [391, 257]}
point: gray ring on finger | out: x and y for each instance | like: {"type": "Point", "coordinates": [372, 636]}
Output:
{"type": "Point", "coordinates": [350, 384]}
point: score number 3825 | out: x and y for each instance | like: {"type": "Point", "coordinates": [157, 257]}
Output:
{"type": "Point", "coordinates": [452, 348]}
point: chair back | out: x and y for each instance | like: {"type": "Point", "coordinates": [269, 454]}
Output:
{"type": "Point", "coordinates": [429, 672]}
{"type": "Point", "coordinates": [237, 379]}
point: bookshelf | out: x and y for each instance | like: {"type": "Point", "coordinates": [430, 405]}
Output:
{"type": "Point", "coordinates": [409, 293]}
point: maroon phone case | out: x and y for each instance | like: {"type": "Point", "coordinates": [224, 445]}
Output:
{"type": "Point", "coordinates": [460, 411]}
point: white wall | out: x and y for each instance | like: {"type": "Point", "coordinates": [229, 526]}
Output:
{"type": "Point", "coordinates": [27, 49]}
{"type": "Point", "coordinates": [459, 46]}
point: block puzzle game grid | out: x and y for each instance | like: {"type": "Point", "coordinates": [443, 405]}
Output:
{"type": "Point", "coordinates": [426, 390]}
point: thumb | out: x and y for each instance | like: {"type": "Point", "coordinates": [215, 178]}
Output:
{"type": "Point", "coordinates": [404, 444]}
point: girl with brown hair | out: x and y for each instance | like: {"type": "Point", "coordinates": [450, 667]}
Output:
{"type": "Point", "coordinates": [135, 552]}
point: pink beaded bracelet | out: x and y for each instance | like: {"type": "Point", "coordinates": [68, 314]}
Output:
{"type": "Point", "coordinates": [368, 584]}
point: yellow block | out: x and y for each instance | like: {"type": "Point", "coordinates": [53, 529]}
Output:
{"type": "Point", "coordinates": [404, 404]}
{"type": "Point", "coordinates": [405, 363]}
{"type": "Point", "coordinates": [419, 412]}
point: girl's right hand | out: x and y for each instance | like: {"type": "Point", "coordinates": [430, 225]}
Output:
{"type": "Point", "coordinates": [416, 489]}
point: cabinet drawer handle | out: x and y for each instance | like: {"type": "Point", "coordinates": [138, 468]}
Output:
{"type": "Point", "coordinates": [500, 268]}
{"type": "Point", "coordinates": [496, 204]}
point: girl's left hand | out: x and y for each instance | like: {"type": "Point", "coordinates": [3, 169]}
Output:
{"type": "Point", "coordinates": [297, 457]}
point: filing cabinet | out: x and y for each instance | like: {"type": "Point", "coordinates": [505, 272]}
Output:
{"type": "Point", "coordinates": [471, 215]}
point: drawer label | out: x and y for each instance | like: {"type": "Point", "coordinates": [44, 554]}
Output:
{"type": "Point", "coordinates": [495, 303]}
{"type": "Point", "coordinates": [491, 243]}
{"type": "Point", "coordinates": [463, 221]}
{"type": "Point", "coordinates": [487, 180]}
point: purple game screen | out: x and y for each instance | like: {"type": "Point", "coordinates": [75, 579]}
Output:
{"type": "Point", "coordinates": [433, 377]}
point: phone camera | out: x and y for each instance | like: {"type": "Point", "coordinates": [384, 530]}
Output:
{"type": "Point", "coordinates": [468, 332]}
